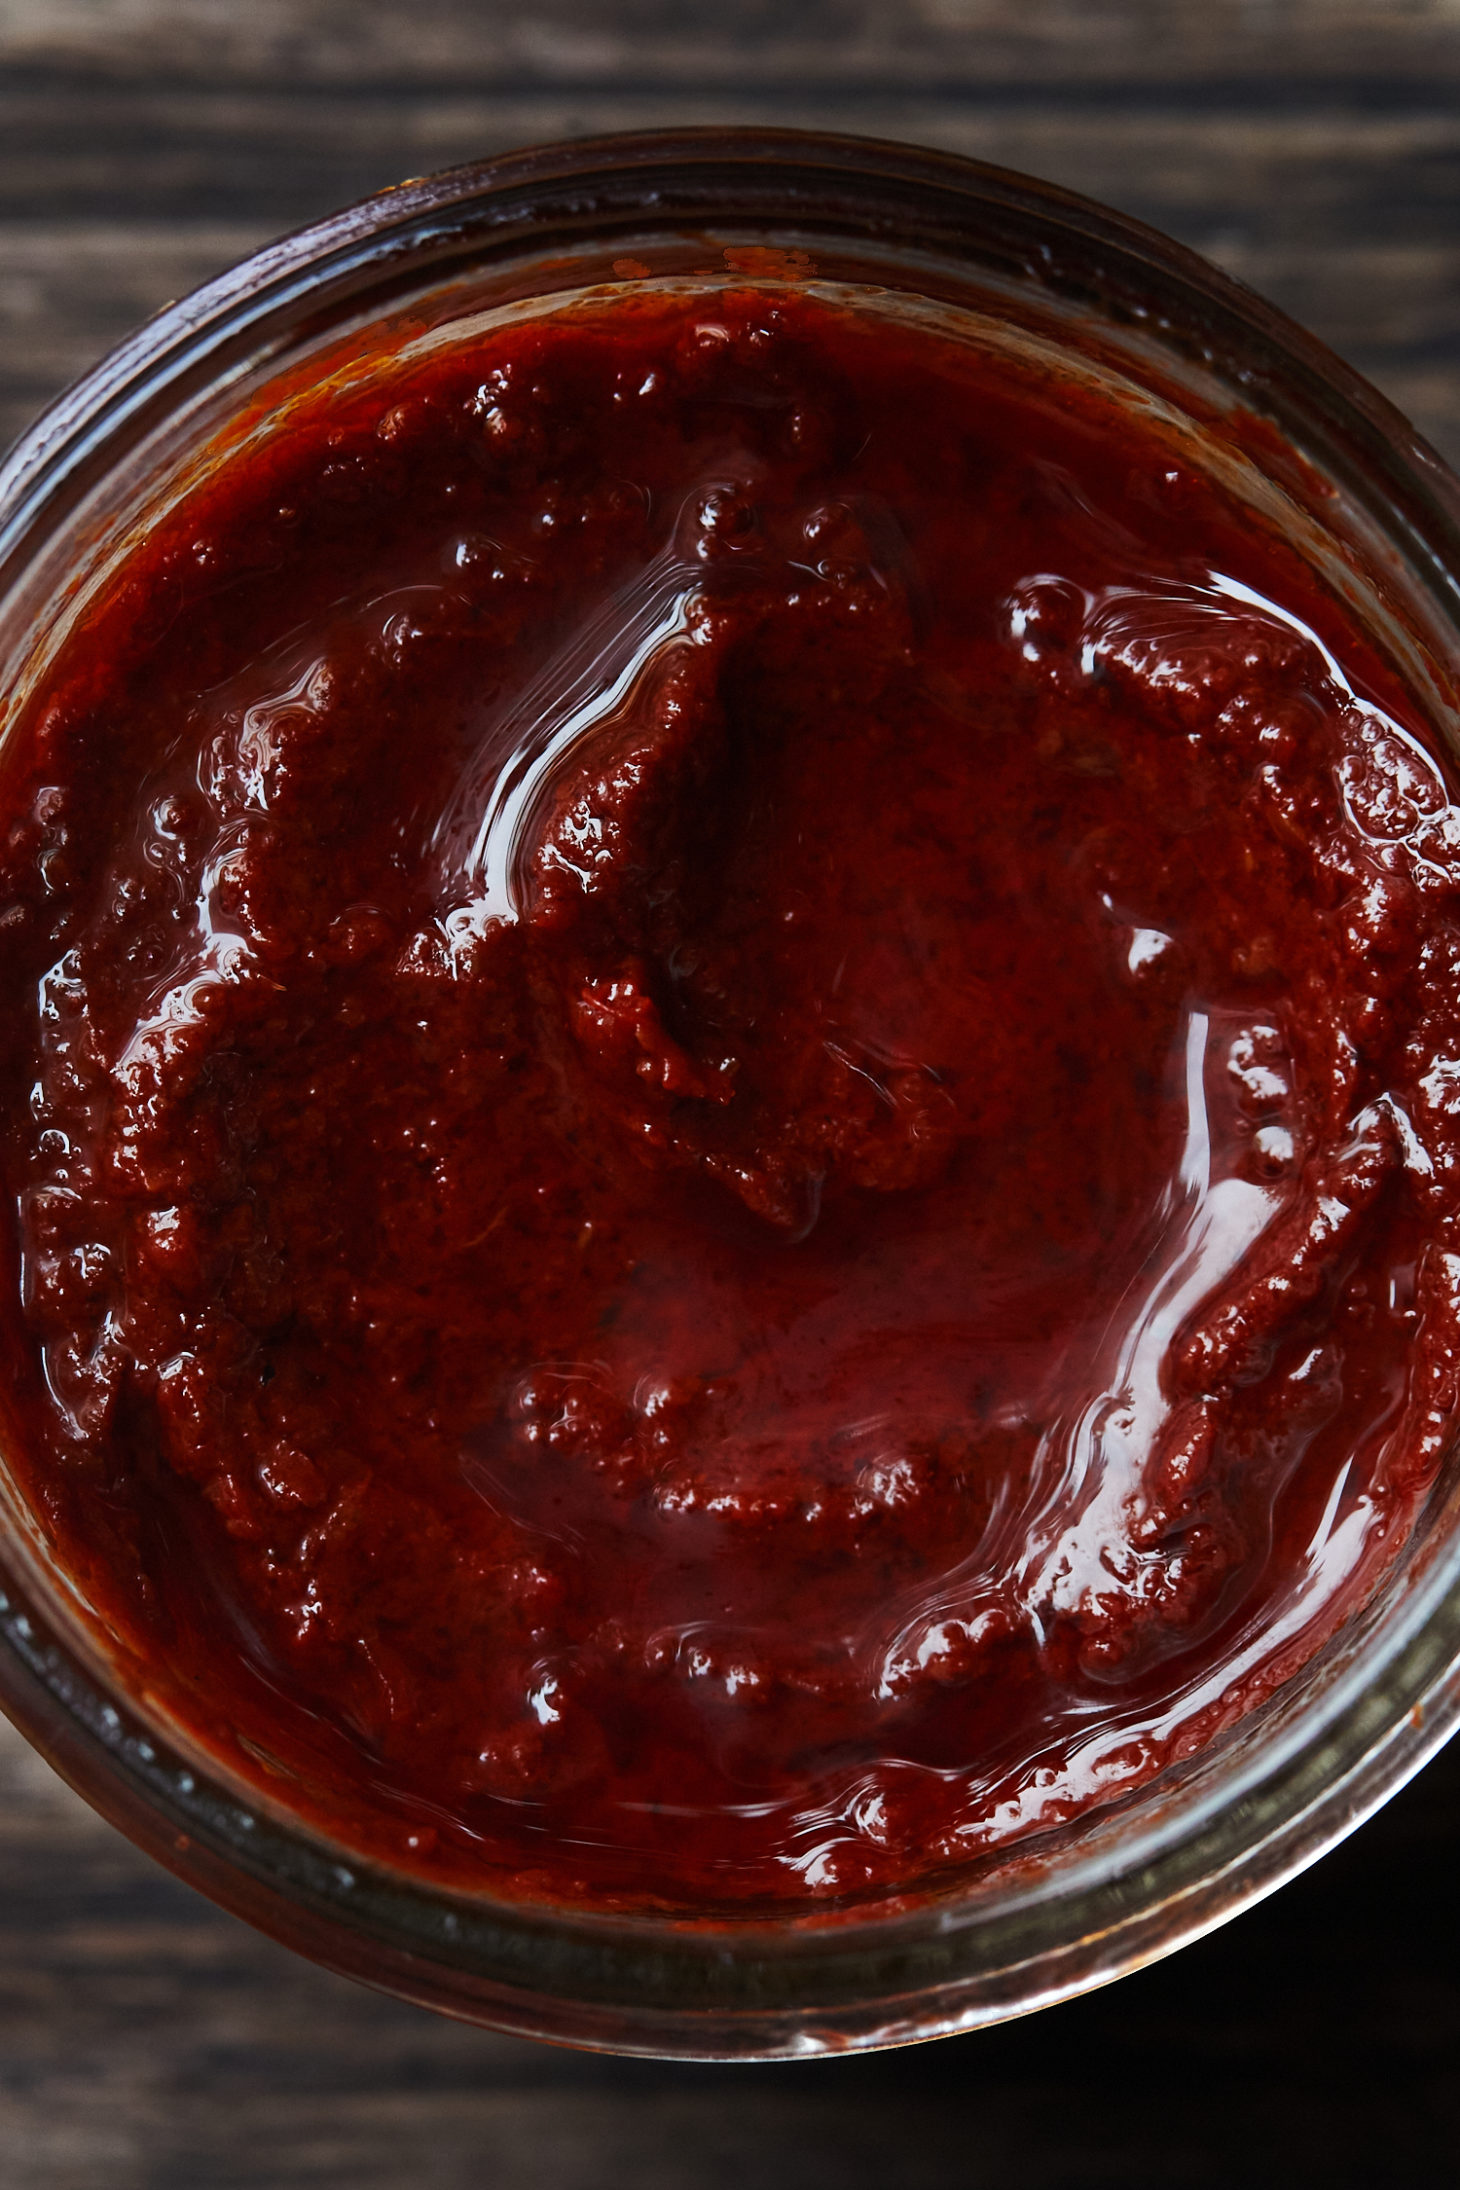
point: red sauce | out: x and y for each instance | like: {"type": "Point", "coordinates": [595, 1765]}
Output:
{"type": "Point", "coordinates": [732, 1104]}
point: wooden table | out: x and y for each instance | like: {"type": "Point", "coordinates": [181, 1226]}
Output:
{"type": "Point", "coordinates": [148, 2042]}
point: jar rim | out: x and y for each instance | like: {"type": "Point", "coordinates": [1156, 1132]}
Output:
{"type": "Point", "coordinates": [802, 1983]}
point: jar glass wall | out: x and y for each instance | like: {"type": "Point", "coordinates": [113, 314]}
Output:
{"type": "Point", "coordinates": [1286, 430]}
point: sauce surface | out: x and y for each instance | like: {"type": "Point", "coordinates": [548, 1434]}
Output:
{"type": "Point", "coordinates": [732, 1112]}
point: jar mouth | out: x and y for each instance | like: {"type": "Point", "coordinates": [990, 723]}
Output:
{"type": "Point", "coordinates": [1166, 1862]}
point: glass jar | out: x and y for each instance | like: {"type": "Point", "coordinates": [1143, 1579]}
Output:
{"type": "Point", "coordinates": [1288, 429]}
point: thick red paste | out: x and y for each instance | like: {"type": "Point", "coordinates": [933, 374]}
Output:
{"type": "Point", "coordinates": [732, 1103]}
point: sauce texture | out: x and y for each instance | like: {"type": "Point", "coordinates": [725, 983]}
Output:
{"type": "Point", "coordinates": [732, 1109]}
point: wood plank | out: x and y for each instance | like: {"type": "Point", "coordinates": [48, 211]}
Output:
{"type": "Point", "coordinates": [689, 44]}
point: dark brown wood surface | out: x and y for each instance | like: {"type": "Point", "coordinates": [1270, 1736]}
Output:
{"type": "Point", "coordinates": [148, 2042]}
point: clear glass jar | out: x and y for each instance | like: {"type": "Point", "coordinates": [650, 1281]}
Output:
{"type": "Point", "coordinates": [1288, 428]}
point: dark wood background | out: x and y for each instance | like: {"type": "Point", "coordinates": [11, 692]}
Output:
{"type": "Point", "coordinates": [146, 2041]}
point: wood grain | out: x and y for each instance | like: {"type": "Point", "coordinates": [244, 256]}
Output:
{"type": "Point", "coordinates": [148, 2042]}
{"type": "Point", "coordinates": [672, 44]}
